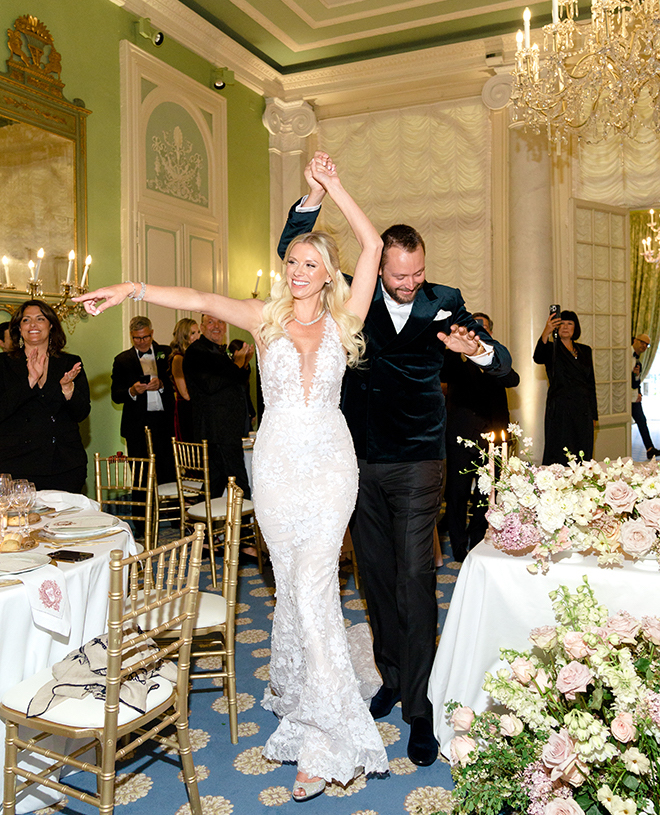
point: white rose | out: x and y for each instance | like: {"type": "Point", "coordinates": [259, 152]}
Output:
{"type": "Point", "coordinates": [485, 484]}
{"type": "Point", "coordinates": [510, 725]}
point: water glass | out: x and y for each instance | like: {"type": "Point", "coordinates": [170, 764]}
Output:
{"type": "Point", "coordinates": [22, 498]}
{"type": "Point", "coordinates": [5, 501]}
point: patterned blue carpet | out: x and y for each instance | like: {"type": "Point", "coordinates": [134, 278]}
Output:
{"type": "Point", "coordinates": [235, 779]}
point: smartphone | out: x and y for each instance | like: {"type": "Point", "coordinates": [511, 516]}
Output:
{"type": "Point", "coordinates": [67, 556]}
{"type": "Point", "coordinates": [146, 379]}
{"type": "Point", "coordinates": [555, 310]}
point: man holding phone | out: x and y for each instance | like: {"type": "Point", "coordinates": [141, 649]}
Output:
{"type": "Point", "coordinates": [140, 383]}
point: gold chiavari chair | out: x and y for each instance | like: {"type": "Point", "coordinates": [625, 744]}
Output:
{"type": "Point", "coordinates": [215, 624]}
{"type": "Point", "coordinates": [191, 462]}
{"type": "Point", "coordinates": [166, 496]}
{"type": "Point", "coordinates": [125, 487]}
{"type": "Point", "coordinates": [172, 589]}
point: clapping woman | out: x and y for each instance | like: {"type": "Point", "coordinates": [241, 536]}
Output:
{"type": "Point", "coordinates": [44, 396]}
{"type": "Point", "coordinates": [186, 331]}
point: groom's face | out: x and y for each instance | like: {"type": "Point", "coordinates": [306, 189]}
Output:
{"type": "Point", "coordinates": [403, 273]}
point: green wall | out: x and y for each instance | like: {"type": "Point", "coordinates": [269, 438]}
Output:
{"type": "Point", "coordinates": [88, 35]}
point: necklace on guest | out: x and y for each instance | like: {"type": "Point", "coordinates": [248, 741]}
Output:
{"type": "Point", "coordinates": [315, 320]}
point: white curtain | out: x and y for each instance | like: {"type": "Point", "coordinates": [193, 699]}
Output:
{"type": "Point", "coordinates": [427, 166]}
{"type": "Point", "coordinates": [619, 173]}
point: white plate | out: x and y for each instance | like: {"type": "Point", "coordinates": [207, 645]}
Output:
{"type": "Point", "coordinates": [81, 525]}
{"type": "Point", "coordinates": [18, 562]}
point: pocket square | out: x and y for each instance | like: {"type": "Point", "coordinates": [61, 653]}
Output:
{"type": "Point", "coordinates": [442, 315]}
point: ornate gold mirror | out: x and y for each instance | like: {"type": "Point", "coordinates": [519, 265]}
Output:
{"type": "Point", "coordinates": [42, 174]}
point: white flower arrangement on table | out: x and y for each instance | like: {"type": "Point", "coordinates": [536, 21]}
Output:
{"type": "Point", "coordinates": [581, 731]}
{"type": "Point", "coordinates": [611, 509]}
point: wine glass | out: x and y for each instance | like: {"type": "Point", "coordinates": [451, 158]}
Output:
{"type": "Point", "coordinates": [20, 498]}
{"type": "Point", "coordinates": [5, 501]}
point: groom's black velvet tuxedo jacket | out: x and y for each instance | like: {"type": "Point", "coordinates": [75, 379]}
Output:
{"type": "Point", "coordinates": [394, 405]}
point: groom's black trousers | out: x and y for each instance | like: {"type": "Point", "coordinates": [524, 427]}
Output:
{"type": "Point", "coordinates": [392, 532]}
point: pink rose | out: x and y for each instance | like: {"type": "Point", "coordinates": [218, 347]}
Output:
{"type": "Point", "coordinates": [636, 538]}
{"type": "Point", "coordinates": [523, 670]}
{"type": "Point", "coordinates": [462, 718]}
{"type": "Point", "coordinates": [622, 727]}
{"type": "Point", "coordinates": [651, 629]}
{"type": "Point", "coordinates": [510, 725]}
{"type": "Point", "coordinates": [563, 806]}
{"type": "Point", "coordinates": [624, 625]}
{"type": "Point", "coordinates": [575, 773]}
{"type": "Point", "coordinates": [558, 753]}
{"type": "Point", "coordinates": [575, 646]}
{"type": "Point", "coordinates": [650, 512]}
{"type": "Point", "coordinates": [573, 678]}
{"type": "Point", "coordinates": [461, 749]}
{"type": "Point", "coordinates": [544, 637]}
{"type": "Point", "coordinates": [620, 496]}
{"type": "Point", "coordinates": [542, 680]}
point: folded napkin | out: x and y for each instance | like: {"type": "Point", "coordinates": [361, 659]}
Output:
{"type": "Point", "coordinates": [84, 670]}
{"type": "Point", "coordinates": [65, 500]}
{"type": "Point", "coordinates": [49, 601]}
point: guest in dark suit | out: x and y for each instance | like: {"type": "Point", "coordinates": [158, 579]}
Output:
{"type": "Point", "coordinates": [216, 385]}
{"type": "Point", "coordinates": [395, 411]}
{"type": "Point", "coordinates": [141, 383]}
{"type": "Point", "coordinates": [571, 409]}
{"type": "Point", "coordinates": [476, 404]}
{"type": "Point", "coordinates": [44, 396]}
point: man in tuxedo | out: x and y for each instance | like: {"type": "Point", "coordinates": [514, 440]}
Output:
{"type": "Point", "coordinates": [141, 383]}
{"type": "Point", "coordinates": [216, 385]}
{"type": "Point", "coordinates": [639, 346]}
{"type": "Point", "coordinates": [395, 411]}
{"type": "Point", "coordinates": [476, 404]}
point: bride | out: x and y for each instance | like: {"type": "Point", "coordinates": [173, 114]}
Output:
{"type": "Point", "coordinates": [305, 484]}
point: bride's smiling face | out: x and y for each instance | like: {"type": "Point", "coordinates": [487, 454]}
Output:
{"type": "Point", "coordinates": [305, 271]}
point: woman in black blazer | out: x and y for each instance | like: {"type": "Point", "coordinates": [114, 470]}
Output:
{"type": "Point", "coordinates": [571, 410]}
{"type": "Point", "coordinates": [44, 395]}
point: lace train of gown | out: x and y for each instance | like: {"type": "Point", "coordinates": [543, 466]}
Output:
{"type": "Point", "coordinates": [305, 485]}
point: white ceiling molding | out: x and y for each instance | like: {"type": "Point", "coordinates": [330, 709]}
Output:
{"type": "Point", "coordinates": [416, 77]}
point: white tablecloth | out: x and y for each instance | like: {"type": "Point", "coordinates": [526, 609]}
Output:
{"type": "Point", "coordinates": [496, 603]}
{"type": "Point", "coordinates": [26, 648]}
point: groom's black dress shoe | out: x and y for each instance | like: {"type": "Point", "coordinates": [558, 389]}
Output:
{"type": "Point", "coordinates": [422, 746]}
{"type": "Point", "coordinates": [383, 702]}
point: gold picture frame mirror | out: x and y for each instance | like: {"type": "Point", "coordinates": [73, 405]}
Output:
{"type": "Point", "coordinates": [42, 171]}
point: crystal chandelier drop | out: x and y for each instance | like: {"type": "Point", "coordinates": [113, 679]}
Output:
{"type": "Point", "coordinates": [651, 245]}
{"type": "Point", "coordinates": [592, 79]}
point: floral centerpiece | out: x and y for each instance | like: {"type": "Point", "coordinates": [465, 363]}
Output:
{"type": "Point", "coordinates": [611, 509]}
{"type": "Point", "coordinates": [581, 729]}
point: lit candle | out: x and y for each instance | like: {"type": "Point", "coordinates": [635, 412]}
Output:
{"type": "Point", "coordinates": [527, 16]}
{"type": "Point", "coordinates": [652, 214]}
{"type": "Point", "coordinates": [88, 263]}
{"type": "Point", "coordinates": [5, 263]}
{"type": "Point", "coordinates": [40, 257]}
{"type": "Point", "coordinates": [491, 466]}
{"type": "Point", "coordinates": [505, 449]}
{"type": "Point", "coordinates": [555, 12]}
{"type": "Point", "coordinates": [31, 266]}
{"type": "Point", "coordinates": [278, 276]}
{"type": "Point", "coordinates": [69, 271]}
{"type": "Point", "coordinates": [256, 285]}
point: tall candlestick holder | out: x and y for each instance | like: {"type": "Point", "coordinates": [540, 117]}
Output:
{"type": "Point", "coordinates": [35, 288]}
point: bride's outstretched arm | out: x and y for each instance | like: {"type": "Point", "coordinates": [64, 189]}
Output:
{"type": "Point", "coordinates": [244, 314]}
{"type": "Point", "coordinates": [366, 268]}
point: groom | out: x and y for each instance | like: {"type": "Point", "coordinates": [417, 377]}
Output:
{"type": "Point", "coordinates": [395, 411]}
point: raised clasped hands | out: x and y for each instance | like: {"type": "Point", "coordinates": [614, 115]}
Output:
{"type": "Point", "coordinates": [66, 382]}
{"type": "Point", "coordinates": [97, 301]}
{"type": "Point", "coordinates": [460, 340]}
{"type": "Point", "coordinates": [243, 355]}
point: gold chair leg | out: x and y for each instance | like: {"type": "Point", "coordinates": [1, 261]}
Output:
{"type": "Point", "coordinates": [185, 751]}
{"type": "Point", "coordinates": [214, 575]}
{"type": "Point", "coordinates": [230, 665]}
{"type": "Point", "coordinates": [11, 757]}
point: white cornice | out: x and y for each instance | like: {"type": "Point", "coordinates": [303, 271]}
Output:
{"type": "Point", "coordinates": [414, 77]}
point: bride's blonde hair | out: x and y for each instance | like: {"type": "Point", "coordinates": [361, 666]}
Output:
{"type": "Point", "coordinates": [278, 309]}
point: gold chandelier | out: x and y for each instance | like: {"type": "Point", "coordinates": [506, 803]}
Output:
{"type": "Point", "coordinates": [594, 79]}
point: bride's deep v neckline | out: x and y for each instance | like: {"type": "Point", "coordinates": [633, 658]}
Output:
{"type": "Point", "coordinates": [308, 363]}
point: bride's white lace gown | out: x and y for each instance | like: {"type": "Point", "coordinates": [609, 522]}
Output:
{"type": "Point", "coordinates": [305, 485]}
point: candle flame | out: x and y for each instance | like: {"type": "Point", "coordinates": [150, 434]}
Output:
{"type": "Point", "coordinates": [88, 260]}
{"type": "Point", "coordinates": [72, 255]}
{"type": "Point", "coordinates": [492, 435]}
{"type": "Point", "coordinates": [31, 264]}
{"type": "Point", "coordinates": [278, 276]}
{"type": "Point", "coordinates": [503, 436]}
{"type": "Point", "coordinates": [5, 260]}
{"type": "Point", "coordinates": [259, 273]}
{"type": "Point", "coordinates": [40, 254]}
{"type": "Point", "coordinates": [272, 274]}
{"type": "Point", "coordinates": [527, 15]}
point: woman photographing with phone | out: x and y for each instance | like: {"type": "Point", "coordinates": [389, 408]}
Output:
{"type": "Point", "coordinates": [571, 410]}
